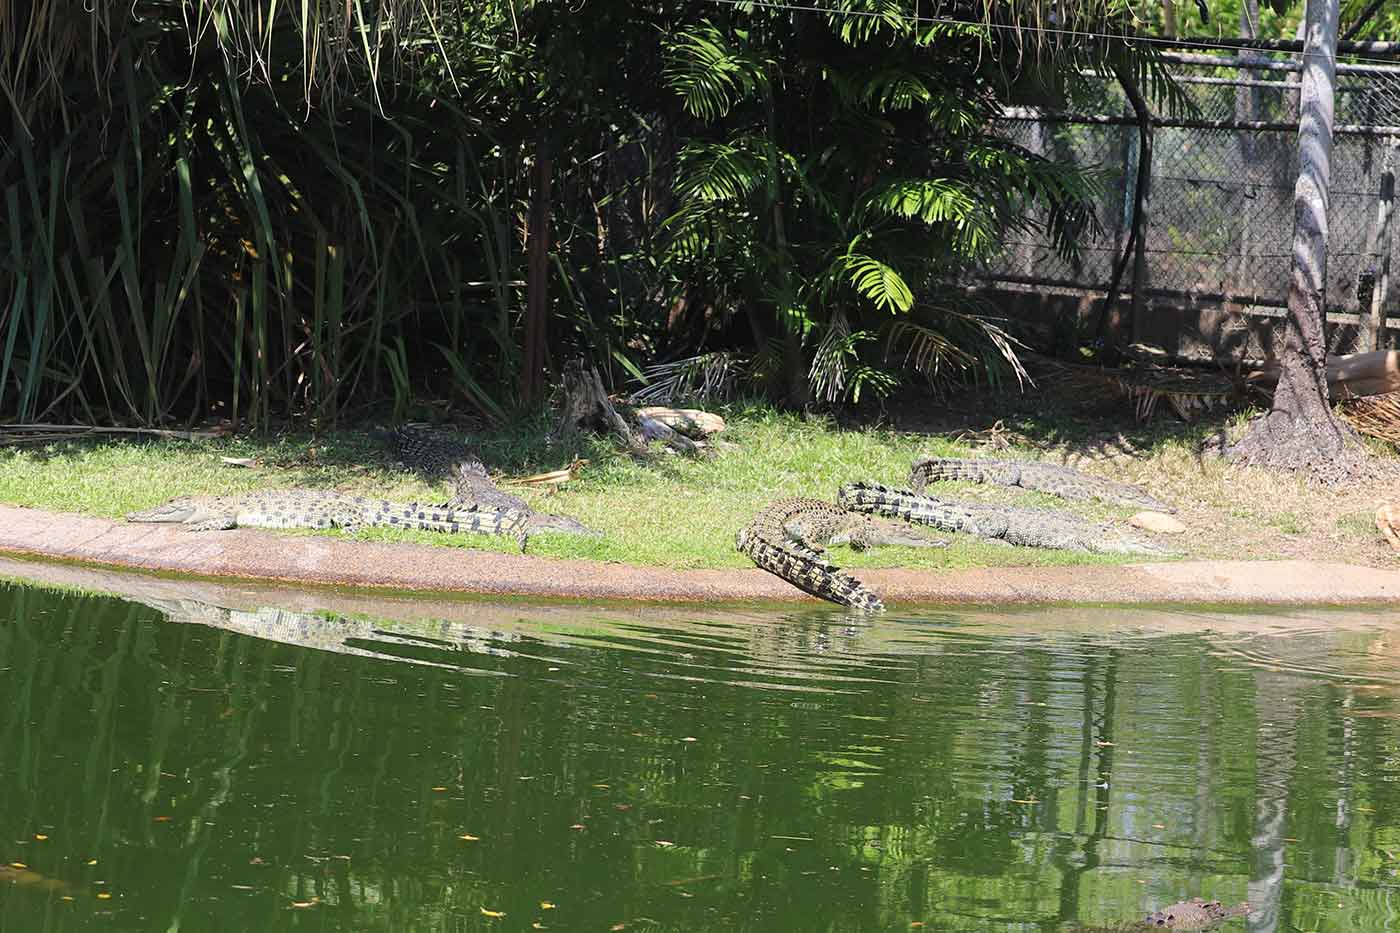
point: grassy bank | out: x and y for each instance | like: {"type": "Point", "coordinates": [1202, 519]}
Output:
{"type": "Point", "coordinates": [683, 513]}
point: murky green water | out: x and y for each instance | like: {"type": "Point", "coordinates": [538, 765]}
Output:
{"type": "Point", "coordinates": [195, 768]}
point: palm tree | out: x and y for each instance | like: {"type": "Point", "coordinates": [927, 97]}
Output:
{"type": "Point", "coordinates": [1300, 432]}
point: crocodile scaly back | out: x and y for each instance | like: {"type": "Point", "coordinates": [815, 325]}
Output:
{"type": "Point", "coordinates": [321, 508]}
{"type": "Point", "coordinates": [433, 454]}
{"type": "Point", "coordinates": [1051, 478]}
{"type": "Point", "coordinates": [949, 470]}
{"type": "Point", "coordinates": [1018, 526]}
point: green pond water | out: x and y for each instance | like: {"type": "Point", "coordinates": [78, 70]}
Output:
{"type": "Point", "coordinates": [170, 764]}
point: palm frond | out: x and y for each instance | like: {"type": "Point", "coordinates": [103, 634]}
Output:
{"type": "Point", "coordinates": [895, 89]}
{"type": "Point", "coordinates": [708, 73]}
{"type": "Point", "coordinates": [706, 377]}
{"type": "Point", "coordinates": [859, 21]}
{"type": "Point", "coordinates": [718, 172]}
{"type": "Point", "coordinates": [877, 281]}
{"type": "Point", "coordinates": [945, 345]}
{"type": "Point", "coordinates": [838, 373]}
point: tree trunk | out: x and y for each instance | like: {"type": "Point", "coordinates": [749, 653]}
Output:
{"type": "Point", "coordinates": [1299, 432]}
{"type": "Point", "coordinates": [799, 392]}
{"type": "Point", "coordinates": [537, 276]}
{"type": "Point", "coordinates": [1112, 326]}
{"type": "Point", "coordinates": [1378, 251]}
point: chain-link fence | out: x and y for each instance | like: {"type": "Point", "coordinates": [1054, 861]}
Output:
{"type": "Point", "coordinates": [1219, 221]}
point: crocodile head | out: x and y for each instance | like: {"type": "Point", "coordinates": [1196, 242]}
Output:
{"type": "Point", "coordinates": [179, 510]}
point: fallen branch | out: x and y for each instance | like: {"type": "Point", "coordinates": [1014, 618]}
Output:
{"type": "Point", "coordinates": [692, 422]}
{"type": "Point", "coordinates": [1351, 375]}
{"type": "Point", "coordinates": [552, 478]}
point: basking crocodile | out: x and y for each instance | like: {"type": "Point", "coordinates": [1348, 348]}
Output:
{"type": "Point", "coordinates": [789, 538]}
{"type": "Point", "coordinates": [1065, 482]}
{"type": "Point", "coordinates": [1019, 526]}
{"type": "Point", "coordinates": [314, 508]}
{"type": "Point", "coordinates": [433, 455]}
{"type": "Point", "coordinates": [1195, 914]}
{"type": "Point", "coordinates": [806, 570]}
{"type": "Point", "coordinates": [815, 524]}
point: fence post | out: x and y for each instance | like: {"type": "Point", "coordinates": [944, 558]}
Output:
{"type": "Point", "coordinates": [1379, 248]}
{"type": "Point", "coordinates": [1136, 326]}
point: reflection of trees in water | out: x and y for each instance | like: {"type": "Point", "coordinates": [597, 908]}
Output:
{"type": "Point", "coordinates": [1277, 708]}
{"type": "Point", "coordinates": [981, 782]}
{"type": "Point", "coordinates": [1077, 853]}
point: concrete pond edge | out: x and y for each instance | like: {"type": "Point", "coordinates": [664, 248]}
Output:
{"type": "Point", "coordinates": [251, 554]}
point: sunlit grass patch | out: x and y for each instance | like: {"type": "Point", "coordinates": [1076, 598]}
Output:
{"type": "Point", "coordinates": [679, 512]}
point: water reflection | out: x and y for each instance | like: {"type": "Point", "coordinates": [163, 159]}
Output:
{"type": "Point", "coordinates": [202, 757]}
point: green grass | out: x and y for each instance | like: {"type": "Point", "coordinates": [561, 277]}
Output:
{"type": "Point", "coordinates": [666, 511]}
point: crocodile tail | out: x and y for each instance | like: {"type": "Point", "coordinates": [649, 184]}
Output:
{"type": "Point", "coordinates": [877, 499]}
{"type": "Point", "coordinates": [874, 497]}
{"type": "Point", "coordinates": [456, 521]}
{"type": "Point", "coordinates": [500, 521]}
{"type": "Point", "coordinates": [808, 573]}
{"type": "Point", "coordinates": [942, 470]}
{"type": "Point", "coordinates": [548, 522]}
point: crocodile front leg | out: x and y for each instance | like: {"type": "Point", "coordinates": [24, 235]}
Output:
{"type": "Point", "coordinates": [217, 523]}
{"type": "Point", "coordinates": [867, 532]}
{"type": "Point", "coordinates": [802, 539]}
{"type": "Point", "coordinates": [351, 525]}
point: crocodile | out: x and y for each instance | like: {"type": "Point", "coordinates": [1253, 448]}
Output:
{"type": "Point", "coordinates": [1019, 526]}
{"type": "Point", "coordinates": [806, 570]}
{"type": "Point", "coordinates": [1065, 482]}
{"type": "Point", "coordinates": [434, 455]}
{"type": "Point", "coordinates": [1195, 914]}
{"type": "Point", "coordinates": [789, 538]}
{"type": "Point", "coordinates": [314, 508]}
{"type": "Point", "coordinates": [816, 524]}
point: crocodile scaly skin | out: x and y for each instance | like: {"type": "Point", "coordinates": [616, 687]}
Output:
{"type": "Point", "coordinates": [1065, 482]}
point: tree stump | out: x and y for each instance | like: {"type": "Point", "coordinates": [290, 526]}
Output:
{"type": "Point", "coordinates": [587, 407]}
